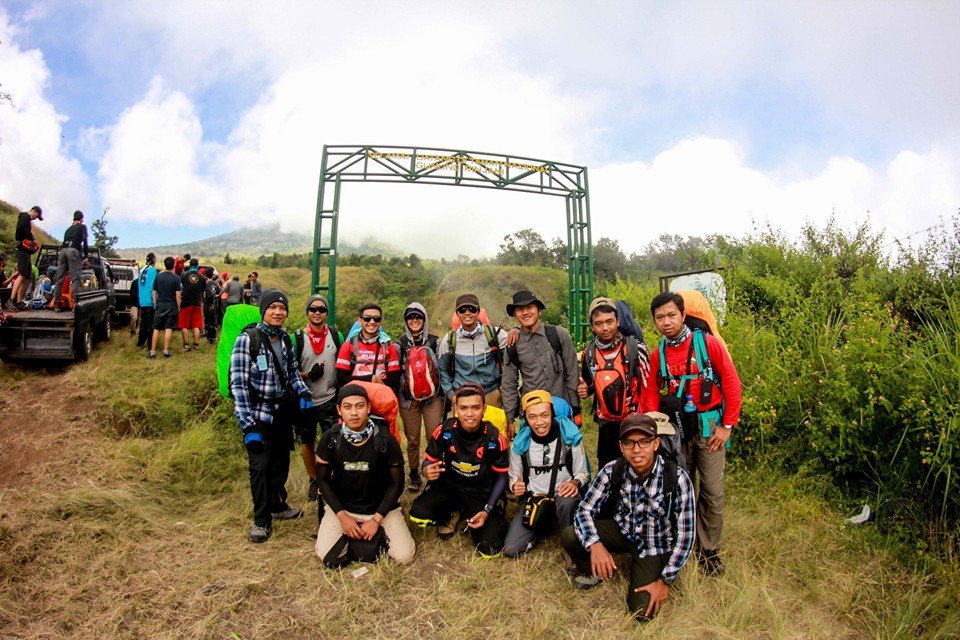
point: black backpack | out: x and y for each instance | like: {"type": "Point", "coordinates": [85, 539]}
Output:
{"type": "Point", "coordinates": [254, 335]}
{"type": "Point", "coordinates": [553, 337]}
{"type": "Point", "coordinates": [671, 473]}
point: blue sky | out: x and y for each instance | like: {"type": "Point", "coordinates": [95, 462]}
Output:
{"type": "Point", "coordinates": [189, 118]}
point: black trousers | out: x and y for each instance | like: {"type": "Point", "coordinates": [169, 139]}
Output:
{"type": "Point", "coordinates": [210, 321]}
{"type": "Point", "coordinates": [608, 442]}
{"type": "Point", "coordinates": [643, 570]}
{"type": "Point", "coordinates": [440, 499]}
{"type": "Point", "coordinates": [146, 326]}
{"type": "Point", "coordinates": [269, 469]}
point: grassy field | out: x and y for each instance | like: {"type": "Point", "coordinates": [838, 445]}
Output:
{"type": "Point", "coordinates": [127, 511]}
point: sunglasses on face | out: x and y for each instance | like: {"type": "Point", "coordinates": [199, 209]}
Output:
{"type": "Point", "coordinates": [372, 318]}
{"type": "Point", "coordinates": [316, 309]}
{"type": "Point", "coordinates": [467, 308]}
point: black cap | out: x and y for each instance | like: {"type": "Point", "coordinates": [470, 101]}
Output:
{"type": "Point", "coordinates": [353, 389]}
{"type": "Point", "coordinates": [270, 296]}
{"type": "Point", "coordinates": [641, 423]}
{"type": "Point", "coordinates": [522, 299]}
{"type": "Point", "coordinates": [77, 215]}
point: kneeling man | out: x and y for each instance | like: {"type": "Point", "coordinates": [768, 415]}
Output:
{"type": "Point", "coordinates": [466, 465]}
{"type": "Point", "coordinates": [360, 473]}
{"type": "Point", "coordinates": [641, 504]}
{"type": "Point", "coordinates": [548, 467]}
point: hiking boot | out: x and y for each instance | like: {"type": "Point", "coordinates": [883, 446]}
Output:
{"type": "Point", "coordinates": [584, 582]}
{"type": "Point", "coordinates": [447, 529]}
{"type": "Point", "coordinates": [259, 534]}
{"type": "Point", "coordinates": [290, 513]}
{"type": "Point", "coordinates": [166, 354]}
{"type": "Point", "coordinates": [710, 563]}
{"type": "Point", "coordinates": [314, 491]}
{"type": "Point", "coordinates": [415, 483]}
{"type": "Point", "coordinates": [152, 355]}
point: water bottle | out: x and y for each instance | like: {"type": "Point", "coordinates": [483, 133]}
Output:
{"type": "Point", "coordinates": [689, 406]}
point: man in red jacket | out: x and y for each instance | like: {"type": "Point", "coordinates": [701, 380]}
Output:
{"type": "Point", "coordinates": [703, 388]}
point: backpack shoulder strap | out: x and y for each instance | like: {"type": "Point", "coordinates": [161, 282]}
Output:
{"type": "Point", "coordinates": [452, 350]}
{"type": "Point", "coordinates": [299, 340]}
{"type": "Point", "coordinates": [671, 473]}
{"type": "Point", "coordinates": [354, 345]}
{"type": "Point", "coordinates": [493, 341]}
{"type": "Point", "coordinates": [335, 334]}
{"type": "Point", "coordinates": [553, 337]}
{"type": "Point", "coordinates": [254, 335]}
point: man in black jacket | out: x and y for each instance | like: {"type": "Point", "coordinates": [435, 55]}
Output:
{"type": "Point", "coordinates": [69, 260]}
{"type": "Point", "coordinates": [360, 473]}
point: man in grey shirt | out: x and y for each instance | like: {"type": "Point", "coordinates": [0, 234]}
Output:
{"type": "Point", "coordinates": [543, 358]}
{"type": "Point", "coordinates": [234, 291]}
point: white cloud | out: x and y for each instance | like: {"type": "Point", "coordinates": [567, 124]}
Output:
{"type": "Point", "coordinates": [151, 170]}
{"type": "Point", "coordinates": [34, 167]}
{"type": "Point", "coordinates": [703, 186]}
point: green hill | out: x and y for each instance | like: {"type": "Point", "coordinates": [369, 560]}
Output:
{"type": "Point", "coordinates": [254, 242]}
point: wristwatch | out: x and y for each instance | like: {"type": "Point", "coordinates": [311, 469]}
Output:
{"type": "Point", "coordinates": [487, 508]}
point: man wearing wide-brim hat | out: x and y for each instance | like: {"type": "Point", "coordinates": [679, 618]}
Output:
{"type": "Point", "coordinates": [543, 358]}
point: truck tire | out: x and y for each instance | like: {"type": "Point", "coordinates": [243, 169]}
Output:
{"type": "Point", "coordinates": [102, 331]}
{"type": "Point", "coordinates": [82, 343]}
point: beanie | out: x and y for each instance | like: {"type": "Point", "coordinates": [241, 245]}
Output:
{"type": "Point", "coordinates": [270, 296]}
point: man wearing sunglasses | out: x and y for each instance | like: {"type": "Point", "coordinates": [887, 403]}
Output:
{"type": "Point", "coordinates": [316, 347]}
{"type": "Point", "coordinates": [472, 353]}
{"type": "Point", "coordinates": [365, 356]}
{"type": "Point", "coordinates": [641, 504]}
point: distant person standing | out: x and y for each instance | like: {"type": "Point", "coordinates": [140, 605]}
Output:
{"type": "Point", "coordinates": [167, 290]}
{"type": "Point", "coordinates": [145, 296]}
{"type": "Point", "coordinates": [69, 259]}
{"type": "Point", "coordinates": [234, 291]}
{"type": "Point", "coordinates": [191, 310]}
{"type": "Point", "coordinates": [211, 306]}
{"type": "Point", "coordinates": [23, 237]}
{"type": "Point", "coordinates": [256, 289]}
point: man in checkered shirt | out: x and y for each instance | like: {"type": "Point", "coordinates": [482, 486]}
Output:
{"type": "Point", "coordinates": [651, 517]}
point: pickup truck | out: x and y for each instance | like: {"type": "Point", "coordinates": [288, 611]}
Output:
{"type": "Point", "coordinates": [124, 273]}
{"type": "Point", "coordinates": [66, 335]}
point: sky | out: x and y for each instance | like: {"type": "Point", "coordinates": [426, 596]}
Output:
{"type": "Point", "coordinates": [190, 118]}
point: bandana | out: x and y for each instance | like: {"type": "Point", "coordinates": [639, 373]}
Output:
{"type": "Point", "coordinates": [271, 332]}
{"type": "Point", "coordinates": [318, 339]}
{"type": "Point", "coordinates": [356, 437]}
{"type": "Point", "coordinates": [676, 342]}
{"type": "Point", "coordinates": [610, 345]}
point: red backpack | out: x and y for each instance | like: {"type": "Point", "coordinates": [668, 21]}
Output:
{"type": "Point", "coordinates": [614, 379]}
{"type": "Point", "coordinates": [421, 377]}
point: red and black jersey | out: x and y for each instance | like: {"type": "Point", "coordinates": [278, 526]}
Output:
{"type": "Point", "coordinates": [472, 461]}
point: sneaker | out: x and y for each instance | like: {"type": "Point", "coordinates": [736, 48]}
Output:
{"type": "Point", "coordinates": [447, 529]}
{"type": "Point", "coordinates": [314, 491]}
{"type": "Point", "coordinates": [584, 582]}
{"type": "Point", "coordinates": [186, 348]}
{"type": "Point", "coordinates": [196, 347]}
{"type": "Point", "coordinates": [290, 513]}
{"type": "Point", "coordinates": [710, 563]}
{"type": "Point", "coordinates": [166, 354]}
{"type": "Point", "coordinates": [152, 355]}
{"type": "Point", "coordinates": [10, 306]}
{"type": "Point", "coordinates": [415, 484]}
{"type": "Point", "coordinates": [259, 534]}
{"type": "Point", "coordinates": [22, 306]}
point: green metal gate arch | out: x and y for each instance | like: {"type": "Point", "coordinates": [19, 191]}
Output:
{"type": "Point", "coordinates": [452, 167]}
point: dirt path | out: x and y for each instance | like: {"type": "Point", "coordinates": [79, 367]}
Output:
{"type": "Point", "coordinates": [41, 415]}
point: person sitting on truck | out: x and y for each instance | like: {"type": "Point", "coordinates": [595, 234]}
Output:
{"type": "Point", "coordinates": [145, 297]}
{"type": "Point", "coordinates": [70, 260]}
{"type": "Point", "coordinates": [166, 297]}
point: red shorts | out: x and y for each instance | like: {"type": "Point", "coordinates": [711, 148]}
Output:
{"type": "Point", "coordinates": [191, 318]}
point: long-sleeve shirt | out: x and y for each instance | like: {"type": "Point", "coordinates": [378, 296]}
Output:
{"type": "Point", "coordinates": [76, 237]}
{"type": "Point", "coordinates": [540, 368]}
{"type": "Point", "coordinates": [473, 360]}
{"type": "Point", "coordinates": [267, 385]}
{"type": "Point", "coordinates": [24, 229]}
{"type": "Point", "coordinates": [730, 392]}
{"type": "Point", "coordinates": [640, 515]}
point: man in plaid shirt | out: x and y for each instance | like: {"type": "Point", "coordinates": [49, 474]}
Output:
{"type": "Point", "coordinates": [658, 536]}
{"type": "Point", "coordinates": [268, 393]}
